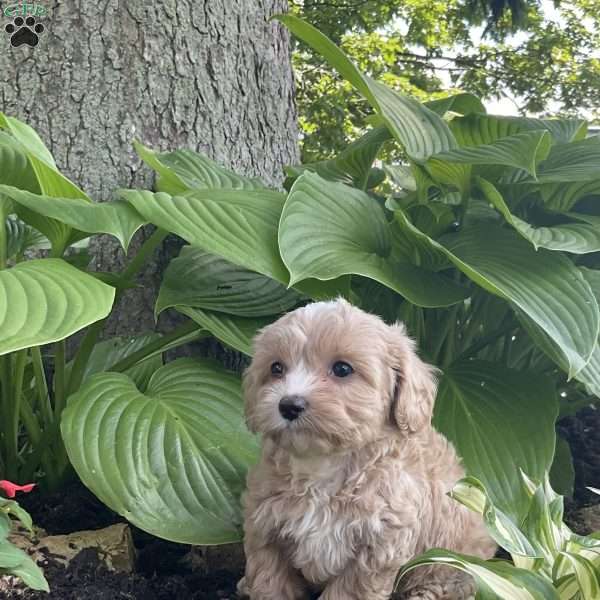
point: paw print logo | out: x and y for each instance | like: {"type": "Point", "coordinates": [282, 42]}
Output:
{"type": "Point", "coordinates": [24, 32]}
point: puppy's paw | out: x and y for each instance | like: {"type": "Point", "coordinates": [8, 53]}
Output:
{"type": "Point", "coordinates": [242, 589]}
{"type": "Point", "coordinates": [289, 591]}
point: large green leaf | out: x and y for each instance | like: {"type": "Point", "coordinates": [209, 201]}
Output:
{"type": "Point", "coordinates": [21, 237]}
{"type": "Point", "coordinates": [353, 165]}
{"type": "Point", "coordinates": [587, 575]}
{"type": "Point", "coordinates": [14, 561]}
{"type": "Point", "coordinates": [234, 331]}
{"type": "Point", "coordinates": [4, 526]}
{"type": "Point", "coordinates": [544, 285]}
{"type": "Point", "coordinates": [50, 181]}
{"type": "Point", "coordinates": [16, 169]}
{"type": "Point", "coordinates": [495, 579]}
{"type": "Point", "coordinates": [578, 238]}
{"type": "Point", "coordinates": [590, 374]}
{"type": "Point", "coordinates": [500, 421]}
{"type": "Point", "coordinates": [420, 130]}
{"type": "Point", "coordinates": [562, 473]}
{"type": "Point", "coordinates": [46, 300]}
{"type": "Point", "coordinates": [173, 460]}
{"type": "Point", "coordinates": [463, 104]}
{"type": "Point", "coordinates": [478, 129]}
{"type": "Point", "coordinates": [116, 218]}
{"type": "Point", "coordinates": [578, 161]}
{"type": "Point", "coordinates": [471, 492]}
{"type": "Point", "coordinates": [238, 225]}
{"type": "Point", "coordinates": [328, 229]}
{"type": "Point", "coordinates": [564, 196]}
{"type": "Point", "coordinates": [27, 137]}
{"type": "Point", "coordinates": [184, 169]}
{"type": "Point", "coordinates": [521, 151]}
{"type": "Point", "coordinates": [199, 279]}
{"type": "Point", "coordinates": [109, 352]}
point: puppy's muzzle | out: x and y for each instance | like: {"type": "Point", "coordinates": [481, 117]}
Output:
{"type": "Point", "coordinates": [291, 407]}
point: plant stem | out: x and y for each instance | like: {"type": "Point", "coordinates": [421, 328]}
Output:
{"type": "Point", "coordinates": [488, 339]}
{"type": "Point", "coordinates": [154, 346]}
{"type": "Point", "coordinates": [60, 352]}
{"type": "Point", "coordinates": [41, 451]}
{"type": "Point", "coordinates": [41, 384]}
{"type": "Point", "coordinates": [20, 358]}
{"type": "Point", "coordinates": [91, 337]}
{"type": "Point", "coordinates": [5, 401]}
{"type": "Point", "coordinates": [146, 250]}
{"type": "Point", "coordinates": [34, 433]}
{"type": "Point", "coordinates": [450, 342]}
{"type": "Point", "coordinates": [3, 237]}
{"type": "Point", "coordinates": [58, 250]}
{"type": "Point", "coordinates": [82, 356]}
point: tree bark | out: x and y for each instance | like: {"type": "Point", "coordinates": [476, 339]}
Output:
{"type": "Point", "coordinates": [211, 75]}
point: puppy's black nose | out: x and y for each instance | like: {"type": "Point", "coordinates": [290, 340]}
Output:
{"type": "Point", "coordinates": [291, 407]}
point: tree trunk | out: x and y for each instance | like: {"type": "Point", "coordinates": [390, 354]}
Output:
{"type": "Point", "coordinates": [211, 75]}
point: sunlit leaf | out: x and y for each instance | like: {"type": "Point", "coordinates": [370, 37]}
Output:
{"type": "Point", "coordinates": [328, 229]}
{"type": "Point", "coordinates": [46, 300]}
{"type": "Point", "coordinates": [499, 579]}
{"type": "Point", "coordinates": [501, 421]}
{"type": "Point", "coordinates": [172, 460]}
{"type": "Point", "coordinates": [199, 279]}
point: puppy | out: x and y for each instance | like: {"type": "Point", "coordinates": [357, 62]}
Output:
{"type": "Point", "coordinates": [353, 478]}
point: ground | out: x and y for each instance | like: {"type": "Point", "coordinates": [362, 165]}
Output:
{"type": "Point", "coordinates": [162, 571]}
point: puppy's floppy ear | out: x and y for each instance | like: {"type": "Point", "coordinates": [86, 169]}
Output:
{"type": "Point", "coordinates": [415, 383]}
{"type": "Point", "coordinates": [250, 386]}
{"type": "Point", "coordinates": [252, 380]}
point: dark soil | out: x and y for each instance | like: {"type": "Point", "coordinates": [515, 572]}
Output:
{"type": "Point", "coordinates": [73, 508]}
{"type": "Point", "coordinates": [161, 569]}
{"type": "Point", "coordinates": [86, 578]}
{"type": "Point", "coordinates": [583, 434]}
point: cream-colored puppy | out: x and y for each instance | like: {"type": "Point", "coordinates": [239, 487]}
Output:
{"type": "Point", "coordinates": [353, 479]}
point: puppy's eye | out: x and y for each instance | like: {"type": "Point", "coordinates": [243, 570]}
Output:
{"type": "Point", "coordinates": [342, 369]}
{"type": "Point", "coordinates": [277, 369]}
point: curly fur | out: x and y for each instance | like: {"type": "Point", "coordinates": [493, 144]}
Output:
{"type": "Point", "coordinates": [357, 485]}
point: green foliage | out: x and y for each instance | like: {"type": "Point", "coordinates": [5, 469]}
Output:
{"type": "Point", "coordinates": [186, 487]}
{"type": "Point", "coordinates": [546, 62]}
{"type": "Point", "coordinates": [189, 408]}
{"type": "Point", "coordinates": [550, 561]}
{"type": "Point", "coordinates": [46, 300]}
{"type": "Point", "coordinates": [13, 560]}
{"type": "Point", "coordinates": [480, 234]}
{"type": "Point", "coordinates": [464, 249]}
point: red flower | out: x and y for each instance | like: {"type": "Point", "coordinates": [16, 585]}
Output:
{"type": "Point", "coordinates": [10, 489]}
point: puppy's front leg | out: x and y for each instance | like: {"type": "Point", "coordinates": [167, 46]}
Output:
{"type": "Point", "coordinates": [359, 582]}
{"type": "Point", "coordinates": [353, 585]}
{"type": "Point", "coordinates": [269, 576]}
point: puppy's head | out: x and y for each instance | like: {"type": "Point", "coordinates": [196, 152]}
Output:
{"type": "Point", "coordinates": [329, 377]}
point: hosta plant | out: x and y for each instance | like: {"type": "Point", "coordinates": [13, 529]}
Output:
{"type": "Point", "coordinates": [481, 235]}
{"type": "Point", "coordinates": [13, 560]}
{"type": "Point", "coordinates": [550, 561]}
{"type": "Point", "coordinates": [173, 448]}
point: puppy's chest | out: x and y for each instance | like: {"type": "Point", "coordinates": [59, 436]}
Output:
{"type": "Point", "coordinates": [321, 535]}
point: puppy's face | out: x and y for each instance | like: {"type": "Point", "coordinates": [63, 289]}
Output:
{"type": "Point", "coordinates": [329, 377]}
